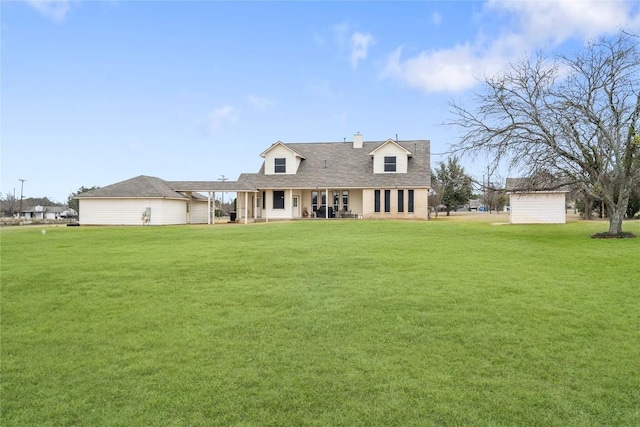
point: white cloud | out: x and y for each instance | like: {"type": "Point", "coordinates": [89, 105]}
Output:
{"type": "Point", "coordinates": [350, 41]}
{"type": "Point", "coordinates": [259, 102]}
{"type": "Point", "coordinates": [360, 43]}
{"type": "Point", "coordinates": [436, 18]}
{"type": "Point", "coordinates": [52, 9]}
{"type": "Point", "coordinates": [532, 25]}
{"type": "Point", "coordinates": [341, 34]}
{"type": "Point", "coordinates": [451, 70]}
{"type": "Point", "coordinates": [556, 21]}
{"type": "Point", "coordinates": [220, 116]}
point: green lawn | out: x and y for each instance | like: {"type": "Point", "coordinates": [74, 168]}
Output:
{"type": "Point", "coordinates": [321, 323]}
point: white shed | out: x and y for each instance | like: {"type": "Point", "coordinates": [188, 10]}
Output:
{"type": "Point", "coordinates": [530, 206]}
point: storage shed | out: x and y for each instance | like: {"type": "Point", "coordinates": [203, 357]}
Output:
{"type": "Point", "coordinates": [535, 204]}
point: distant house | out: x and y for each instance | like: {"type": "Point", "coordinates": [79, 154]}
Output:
{"type": "Point", "coordinates": [531, 203]}
{"type": "Point", "coordinates": [374, 179]}
{"type": "Point", "coordinates": [42, 212]}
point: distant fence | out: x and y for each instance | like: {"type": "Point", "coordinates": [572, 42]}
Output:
{"type": "Point", "coordinates": [31, 221]}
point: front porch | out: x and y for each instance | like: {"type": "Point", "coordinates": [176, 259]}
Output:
{"type": "Point", "coordinates": [300, 204]}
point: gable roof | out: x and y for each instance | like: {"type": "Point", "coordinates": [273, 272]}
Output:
{"type": "Point", "coordinates": [45, 209]}
{"type": "Point", "coordinates": [281, 144]}
{"type": "Point", "coordinates": [523, 185]}
{"type": "Point", "coordinates": [139, 187]}
{"type": "Point", "coordinates": [390, 142]}
{"type": "Point", "coordinates": [340, 165]}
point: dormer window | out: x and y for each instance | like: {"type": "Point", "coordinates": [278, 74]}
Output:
{"type": "Point", "coordinates": [389, 163]}
{"type": "Point", "coordinates": [280, 165]}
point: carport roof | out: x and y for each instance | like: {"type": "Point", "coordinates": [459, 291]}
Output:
{"type": "Point", "coordinates": [153, 187]}
{"type": "Point", "coordinates": [231, 186]}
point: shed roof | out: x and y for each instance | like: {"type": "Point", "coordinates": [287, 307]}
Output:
{"type": "Point", "coordinates": [548, 185]}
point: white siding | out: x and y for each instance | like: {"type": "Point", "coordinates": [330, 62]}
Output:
{"type": "Point", "coordinates": [390, 150]}
{"type": "Point", "coordinates": [128, 211]}
{"type": "Point", "coordinates": [355, 201]}
{"type": "Point", "coordinates": [537, 208]}
{"type": "Point", "coordinates": [271, 213]}
{"type": "Point", "coordinates": [199, 212]}
{"type": "Point", "coordinates": [173, 212]}
{"type": "Point", "coordinates": [280, 151]}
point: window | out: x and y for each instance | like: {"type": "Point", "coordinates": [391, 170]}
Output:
{"type": "Point", "coordinates": [376, 201]}
{"type": "Point", "coordinates": [345, 200]}
{"type": "Point", "coordinates": [389, 163]}
{"type": "Point", "coordinates": [336, 201]}
{"type": "Point", "coordinates": [278, 199]}
{"type": "Point", "coordinates": [410, 201]}
{"type": "Point", "coordinates": [400, 200]}
{"type": "Point", "coordinates": [280, 165]}
{"type": "Point", "coordinates": [264, 199]}
{"type": "Point", "coordinates": [314, 201]}
{"type": "Point", "coordinates": [387, 200]}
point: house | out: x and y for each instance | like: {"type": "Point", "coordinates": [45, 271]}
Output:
{"type": "Point", "coordinates": [39, 212]}
{"type": "Point", "coordinates": [376, 179]}
{"type": "Point", "coordinates": [358, 179]}
{"type": "Point", "coordinates": [536, 203]}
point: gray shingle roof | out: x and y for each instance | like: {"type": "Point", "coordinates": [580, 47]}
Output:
{"type": "Point", "coordinates": [339, 165]}
{"type": "Point", "coordinates": [324, 165]}
{"type": "Point", "coordinates": [530, 185]}
{"type": "Point", "coordinates": [210, 186]}
{"type": "Point", "coordinates": [140, 186]}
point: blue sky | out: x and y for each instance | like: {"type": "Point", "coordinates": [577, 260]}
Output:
{"type": "Point", "coordinates": [96, 92]}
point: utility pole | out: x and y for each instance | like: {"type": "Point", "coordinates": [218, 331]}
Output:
{"type": "Point", "coordinates": [223, 179]}
{"type": "Point", "coordinates": [488, 181]}
{"type": "Point", "coordinates": [484, 193]}
{"type": "Point", "coordinates": [21, 195]}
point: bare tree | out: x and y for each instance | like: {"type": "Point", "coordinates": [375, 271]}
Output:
{"type": "Point", "coordinates": [8, 204]}
{"type": "Point", "coordinates": [575, 117]}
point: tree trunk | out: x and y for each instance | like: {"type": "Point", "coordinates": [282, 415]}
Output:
{"type": "Point", "coordinates": [588, 206]}
{"type": "Point", "coordinates": [617, 212]}
{"type": "Point", "coordinates": [615, 220]}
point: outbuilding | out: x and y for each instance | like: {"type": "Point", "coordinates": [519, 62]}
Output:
{"type": "Point", "coordinates": [143, 200]}
{"type": "Point", "coordinates": [536, 204]}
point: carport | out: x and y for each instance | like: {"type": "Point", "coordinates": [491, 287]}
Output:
{"type": "Point", "coordinates": [213, 187]}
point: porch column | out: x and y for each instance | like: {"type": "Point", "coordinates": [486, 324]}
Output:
{"type": "Point", "coordinates": [213, 221]}
{"type": "Point", "coordinates": [246, 206]}
{"type": "Point", "coordinates": [326, 210]}
{"type": "Point", "coordinates": [291, 203]}
{"type": "Point", "coordinates": [208, 207]}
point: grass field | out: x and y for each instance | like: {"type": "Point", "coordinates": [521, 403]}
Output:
{"type": "Point", "coordinates": [445, 322]}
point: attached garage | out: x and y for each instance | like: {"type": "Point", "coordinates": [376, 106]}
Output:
{"type": "Point", "coordinates": [144, 200]}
